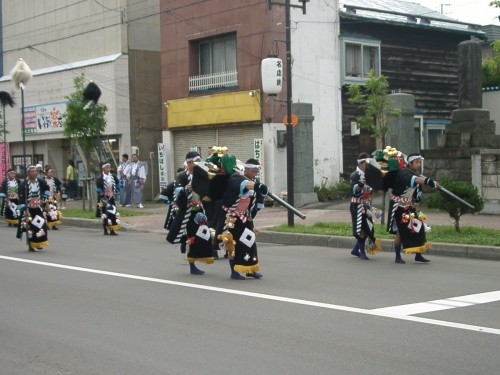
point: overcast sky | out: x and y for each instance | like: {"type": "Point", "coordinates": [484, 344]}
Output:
{"type": "Point", "coordinates": [473, 11]}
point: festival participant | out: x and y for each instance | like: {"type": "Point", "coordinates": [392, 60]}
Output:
{"type": "Point", "coordinates": [188, 226]}
{"type": "Point", "coordinates": [32, 193]}
{"type": "Point", "coordinates": [362, 221]}
{"type": "Point", "coordinates": [244, 197]}
{"type": "Point", "coordinates": [10, 193]}
{"type": "Point", "coordinates": [403, 218]}
{"type": "Point", "coordinates": [107, 187]}
{"type": "Point", "coordinates": [53, 215]}
{"type": "Point", "coordinates": [167, 196]}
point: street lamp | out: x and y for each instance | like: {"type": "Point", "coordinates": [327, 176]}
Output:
{"type": "Point", "coordinates": [21, 74]}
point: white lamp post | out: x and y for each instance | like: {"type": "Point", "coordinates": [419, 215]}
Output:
{"type": "Point", "coordinates": [21, 74]}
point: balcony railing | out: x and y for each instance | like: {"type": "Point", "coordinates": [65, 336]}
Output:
{"type": "Point", "coordinates": [213, 81]}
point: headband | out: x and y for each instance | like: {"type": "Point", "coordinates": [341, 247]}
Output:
{"type": "Point", "coordinates": [30, 167]}
{"type": "Point", "coordinates": [106, 165]}
{"type": "Point", "coordinates": [415, 157]}
{"type": "Point", "coordinates": [196, 158]}
{"type": "Point", "coordinates": [367, 160]}
{"type": "Point", "coordinates": [252, 166]}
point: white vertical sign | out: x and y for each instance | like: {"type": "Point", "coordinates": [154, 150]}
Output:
{"type": "Point", "coordinates": [258, 154]}
{"type": "Point", "coordinates": [162, 166]}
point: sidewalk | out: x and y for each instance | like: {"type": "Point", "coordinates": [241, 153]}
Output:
{"type": "Point", "coordinates": [334, 211]}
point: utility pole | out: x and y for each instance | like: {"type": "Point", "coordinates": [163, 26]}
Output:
{"type": "Point", "coordinates": [289, 127]}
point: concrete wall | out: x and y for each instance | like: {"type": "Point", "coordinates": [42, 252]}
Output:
{"type": "Point", "coordinates": [491, 98]}
{"type": "Point", "coordinates": [316, 80]}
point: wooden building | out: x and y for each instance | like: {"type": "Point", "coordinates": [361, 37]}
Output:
{"type": "Point", "coordinates": [416, 48]}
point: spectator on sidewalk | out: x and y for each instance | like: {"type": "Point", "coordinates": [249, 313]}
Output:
{"type": "Point", "coordinates": [136, 179]}
{"type": "Point", "coordinates": [125, 187]}
{"type": "Point", "coordinates": [71, 182]}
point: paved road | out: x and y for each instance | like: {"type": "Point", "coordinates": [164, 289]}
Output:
{"type": "Point", "coordinates": [92, 304]}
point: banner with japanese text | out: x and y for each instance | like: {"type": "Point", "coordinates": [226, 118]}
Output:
{"type": "Point", "coordinates": [4, 160]}
{"type": "Point", "coordinates": [44, 118]}
{"type": "Point", "coordinates": [258, 154]}
{"type": "Point", "coordinates": [162, 166]}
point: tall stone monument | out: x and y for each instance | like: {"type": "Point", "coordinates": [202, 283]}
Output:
{"type": "Point", "coordinates": [471, 150]}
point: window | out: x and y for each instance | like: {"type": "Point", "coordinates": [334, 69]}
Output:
{"type": "Point", "coordinates": [359, 57]}
{"type": "Point", "coordinates": [216, 64]}
{"type": "Point", "coordinates": [430, 133]}
{"type": "Point", "coordinates": [217, 55]}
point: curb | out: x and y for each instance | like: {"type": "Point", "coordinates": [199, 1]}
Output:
{"type": "Point", "coordinates": [438, 248]}
{"type": "Point", "coordinates": [281, 238]}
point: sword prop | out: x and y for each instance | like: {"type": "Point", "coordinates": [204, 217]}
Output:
{"type": "Point", "coordinates": [456, 197]}
{"type": "Point", "coordinates": [278, 199]}
{"type": "Point", "coordinates": [449, 193]}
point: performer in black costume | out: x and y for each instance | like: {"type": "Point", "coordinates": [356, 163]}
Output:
{"type": "Point", "coordinates": [189, 225]}
{"type": "Point", "coordinates": [107, 188]}
{"type": "Point", "coordinates": [32, 193]}
{"type": "Point", "coordinates": [403, 218]}
{"type": "Point", "coordinates": [362, 221]}
{"type": "Point", "coordinates": [51, 205]}
{"type": "Point", "coordinates": [10, 194]}
{"type": "Point", "coordinates": [244, 197]}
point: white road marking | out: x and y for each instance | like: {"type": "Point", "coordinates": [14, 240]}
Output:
{"type": "Point", "coordinates": [386, 314]}
{"type": "Point", "coordinates": [441, 304]}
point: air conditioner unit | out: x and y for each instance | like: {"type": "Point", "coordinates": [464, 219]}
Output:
{"type": "Point", "coordinates": [281, 138]}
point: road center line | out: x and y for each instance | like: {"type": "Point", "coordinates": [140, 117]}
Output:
{"type": "Point", "coordinates": [441, 304]}
{"type": "Point", "coordinates": [375, 312]}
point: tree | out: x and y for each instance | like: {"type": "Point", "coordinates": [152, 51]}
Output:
{"type": "Point", "coordinates": [84, 121]}
{"type": "Point", "coordinates": [491, 67]}
{"type": "Point", "coordinates": [491, 64]}
{"type": "Point", "coordinates": [455, 209]}
{"type": "Point", "coordinates": [372, 97]}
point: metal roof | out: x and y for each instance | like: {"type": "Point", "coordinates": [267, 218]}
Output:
{"type": "Point", "coordinates": [69, 66]}
{"type": "Point", "coordinates": [405, 13]}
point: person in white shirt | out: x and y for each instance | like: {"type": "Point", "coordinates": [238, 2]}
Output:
{"type": "Point", "coordinates": [125, 188]}
{"type": "Point", "coordinates": [136, 179]}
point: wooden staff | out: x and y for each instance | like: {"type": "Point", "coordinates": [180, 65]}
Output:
{"type": "Point", "coordinates": [277, 199]}
{"type": "Point", "coordinates": [446, 191]}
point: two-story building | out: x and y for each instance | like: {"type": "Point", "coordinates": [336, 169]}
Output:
{"type": "Point", "coordinates": [114, 44]}
{"type": "Point", "coordinates": [416, 48]}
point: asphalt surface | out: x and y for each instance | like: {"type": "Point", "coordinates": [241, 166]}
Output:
{"type": "Point", "coordinates": [94, 304]}
{"type": "Point", "coordinates": [334, 211]}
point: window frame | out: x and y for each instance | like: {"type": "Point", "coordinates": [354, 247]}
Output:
{"type": "Point", "coordinates": [211, 41]}
{"type": "Point", "coordinates": [362, 43]}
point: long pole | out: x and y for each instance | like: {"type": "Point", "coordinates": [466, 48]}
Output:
{"type": "Point", "coordinates": [23, 131]}
{"type": "Point", "coordinates": [289, 127]}
{"type": "Point", "coordinates": [4, 161]}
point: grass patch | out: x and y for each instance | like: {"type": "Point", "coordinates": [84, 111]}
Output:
{"type": "Point", "coordinates": [86, 214]}
{"type": "Point", "coordinates": [440, 233]}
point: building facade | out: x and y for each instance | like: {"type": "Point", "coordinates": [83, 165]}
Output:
{"type": "Point", "coordinates": [212, 85]}
{"type": "Point", "coordinates": [115, 44]}
{"type": "Point", "coordinates": [416, 49]}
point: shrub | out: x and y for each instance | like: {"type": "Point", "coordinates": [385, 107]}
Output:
{"type": "Point", "coordinates": [327, 192]}
{"type": "Point", "coordinates": [455, 209]}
